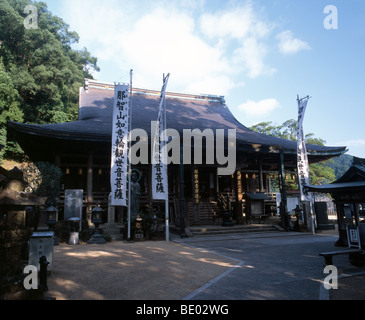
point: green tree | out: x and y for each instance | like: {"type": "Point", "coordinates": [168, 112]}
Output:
{"type": "Point", "coordinates": [341, 164]}
{"type": "Point", "coordinates": [267, 128]}
{"type": "Point", "coordinates": [44, 69]}
{"type": "Point", "coordinates": [320, 173]}
{"type": "Point", "coordinates": [288, 130]}
{"type": "Point", "coordinates": [9, 110]}
{"type": "Point", "coordinates": [43, 179]}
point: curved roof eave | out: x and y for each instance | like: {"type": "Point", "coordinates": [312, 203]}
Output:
{"type": "Point", "coordinates": [338, 187]}
{"type": "Point", "coordinates": [87, 130]}
{"type": "Point", "coordinates": [55, 132]}
{"type": "Point", "coordinates": [183, 112]}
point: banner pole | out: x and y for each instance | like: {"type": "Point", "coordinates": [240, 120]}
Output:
{"type": "Point", "coordinates": [160, 168]}
{"type": "Point", "coordinates": [303, 164]}
{"type": "Point", "coordinates": [167, 182]}
{"type": "Point", "coordinates": [129, 154]}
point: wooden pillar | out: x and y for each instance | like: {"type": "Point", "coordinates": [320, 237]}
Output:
{"type": "Point", "coordinates": [196, 194]}
{"type": "Point", "coordinates": [268, 183]}
{"type": "Point", "coordinates": [217, 183]}
{"type": "Point", "coordinates": [239, 196]}
{"type": "Point", "coordinates": [356, 214]}
{"type": "Point", "coordinates": [57, 161]}
{"type": "Point", "coordinates": [261, 180]}
{"type": "Point", "coordinates": [182, 196]}
{"type": "Point", "coordinates": [342, 232]}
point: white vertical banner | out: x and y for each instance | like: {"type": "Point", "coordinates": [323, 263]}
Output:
{"type": "Point", "coordinates": [303, 164]}
{"type": "Point", "coordinates": [120, 133]}
{"type": "Point", "coordinates": [159, 155]}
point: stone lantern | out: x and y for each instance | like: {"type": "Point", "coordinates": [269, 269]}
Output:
{"type": "Point", "coordinates": [51, 220]}
{"type": "Point", "coordinates": [97, 219]}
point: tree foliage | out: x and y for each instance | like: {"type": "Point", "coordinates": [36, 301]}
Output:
{"type": "Point", "coordinates": [40, 73]}
{"type": "Point", "coordinates": [43, 179]}
{"type": "Point", "coordinates": [341, 164]}
{"type": "Point", "coordinates": [288, 130]}
{"type": "Point", "coordinates": [9, 107]}
{"type": "Point", "coordinates": [320, 173]}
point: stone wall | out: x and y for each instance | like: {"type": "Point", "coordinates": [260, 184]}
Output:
{"type": "Point", "coordinates": [17, 219]}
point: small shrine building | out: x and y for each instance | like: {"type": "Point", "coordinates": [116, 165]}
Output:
{"type": "Point", "coordinates": [348, 194]}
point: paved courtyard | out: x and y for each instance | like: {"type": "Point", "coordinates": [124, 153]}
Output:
{"type": "Point", "coordinates": [278, 266]}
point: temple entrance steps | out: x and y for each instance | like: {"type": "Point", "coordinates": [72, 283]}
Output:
{"type": "Point", "coordinates": [197, 231]}
{"type": "Point", "coordinates": [206, 213]}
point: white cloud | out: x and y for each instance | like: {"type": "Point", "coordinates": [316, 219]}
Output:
{"type": "Point", "coordinates": [259, 108]}
{"type": "Point", "coordinates": [244, 26]}
{"type": "Point", "coordinates": [164, 40]}
{"type": "Point", "coordinates": [236, 23]}
{"type": "Point", "coordinates": [289, 45]}
{"type": "Point", "coordinates": [251, 57]}
{"type": "Point", "coordinates": [160, 40]}
{"type": "Point", "coordinates": [205, 53]}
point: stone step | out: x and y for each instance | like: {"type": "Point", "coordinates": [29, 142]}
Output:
{"type": "Point", "coordinates": [215, 230]}
{"type": "Point", "coordinates": [209, 213]}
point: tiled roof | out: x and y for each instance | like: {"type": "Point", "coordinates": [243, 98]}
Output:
{"type": "Point", "coordinates": [184, 111]}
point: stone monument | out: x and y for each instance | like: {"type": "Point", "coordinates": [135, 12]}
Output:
{"type": "Point", "coordinates": [73, 204]}
{"type": "Point", "coordinates": [111, 228]}
{"type": "Point", "coordinates": [73, 213]}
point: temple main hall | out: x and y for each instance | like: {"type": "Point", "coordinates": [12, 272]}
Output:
{"type": "Point", "coordinates": [82, 149]}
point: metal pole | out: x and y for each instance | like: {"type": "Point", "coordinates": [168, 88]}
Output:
{"type": "Point", "coordinates": [300, 133]}
{"type": "Point", "coordinates": [167, 220]}
{"type": "Point", "coordinates": [167, 175]}
{"type": "Point", "coordinates": [129, 154]}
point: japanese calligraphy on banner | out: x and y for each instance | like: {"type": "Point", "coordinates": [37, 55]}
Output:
{"type": "Point", "coordinates": [159, 158]}
{"type": "Point", "coordinates": [119, 165]}
{"type": "Point", "coordinates": [303, 164]}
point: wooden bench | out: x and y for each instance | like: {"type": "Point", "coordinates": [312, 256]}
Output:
{"type": "Point", "coordinates": [328, 255]}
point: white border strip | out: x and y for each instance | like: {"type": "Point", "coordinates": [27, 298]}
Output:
{"type": "Point", "coordinates": [211, 282]}
{"type": "Point", "coordinates": [216, 279]}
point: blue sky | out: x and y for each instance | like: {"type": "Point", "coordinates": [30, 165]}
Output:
{"type": "Point", "coordinates": [259, 54]}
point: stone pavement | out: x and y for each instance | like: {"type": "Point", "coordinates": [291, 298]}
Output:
{"type": "Point", "coordinates": [154, 270]}
{"type": "Point", "coordinates": [157, 270]}
{"type": "Point", "coordinates": [349, 288]}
